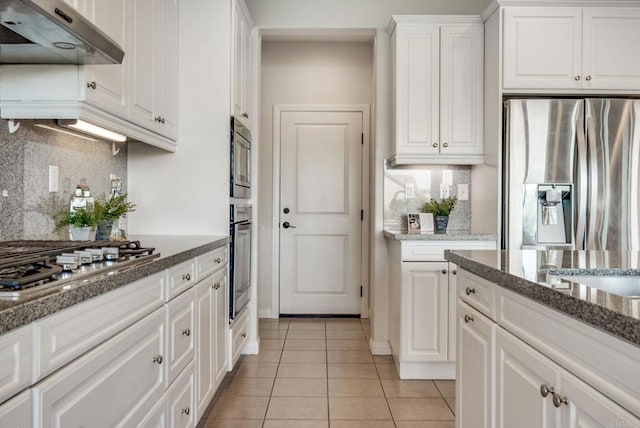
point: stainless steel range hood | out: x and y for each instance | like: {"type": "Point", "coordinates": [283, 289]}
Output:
{"type": "Point", "coordinates": [52, 32]}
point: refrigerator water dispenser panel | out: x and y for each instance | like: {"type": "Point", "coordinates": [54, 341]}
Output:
{"type": "Point", "coordinates": [554, 208]}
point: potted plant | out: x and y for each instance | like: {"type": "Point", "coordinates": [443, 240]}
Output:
{"type": "Point", "coordinates": [80, 221]}
{"type": "Point", "coordinates": [108, 210]}
{"type": "Point", "coordinates": [440, 211]}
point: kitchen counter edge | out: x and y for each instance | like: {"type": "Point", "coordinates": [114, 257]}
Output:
{"type": "Point", "coordinates": [400, 235]}
{"type": "Point", "coordinates": [605, 319]}
{"type": "Point", "coordinates": [173, 250]}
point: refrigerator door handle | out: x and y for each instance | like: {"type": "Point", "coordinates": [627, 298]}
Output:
{"type": "Point", "coordinates": [581, 181]}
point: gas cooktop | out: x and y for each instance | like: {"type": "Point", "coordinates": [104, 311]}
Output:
{"type": "Point", "coordinates": [29, 266]}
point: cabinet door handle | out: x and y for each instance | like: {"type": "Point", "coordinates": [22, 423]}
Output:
{"type": "Point", "coordinates": [435, 144]}
{"type": "Point", "coordinates": [217, 260]}
{"type": "Point", "coordinates": [157, 359]}
{"type": "Point", "coordinates": [92, 85]}
{"type": "Point", "coordinates": [468, 318]}
{"type": "Point", "coordinates": [577, 78]}
{"type": "Point", "coordinates": [559, 401]}
{"type": "Point", "coordinates": [185, 411]}
{"type": "Point", "coordinates": [243, 335]}
{"type": "Point", "coordinates": [588, 78]}
{"type": "Point", "coordinates": [245, 115]}
{"type": "Point", "coordinates": [468, 291]}
{"type": "Point", "coordinates": [445, 145]}
{"type": "Point", "coordinates": [186, 332]}
{"type": "Point", "coordinates": [157, 119]}
{"type": "Point", "coordinates": [162, 120]}
{"type": "Point", "coordinates": [455, 272]}
{"type": "Point", "coordinates": [216, 285]}
{"type": "Point", "coordinates": [546, 390]}
{"type": "Point", "coordinates": [186, 277]}
{"type": "Point", "coordinates": [444, 271]}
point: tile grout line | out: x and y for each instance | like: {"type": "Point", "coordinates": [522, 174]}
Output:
{"type": "Point", "coordinates": [273, 385]}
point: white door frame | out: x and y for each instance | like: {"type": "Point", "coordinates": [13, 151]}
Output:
{"type": "Point", "coordinates": [278, 109]}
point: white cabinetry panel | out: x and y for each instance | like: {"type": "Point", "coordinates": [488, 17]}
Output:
{"type": "Point", "coordinates": [15, 354]}
{"type": "Point", "coordinates": [16, 413]}
{"type": "Point", "coordinates": [181, 328]}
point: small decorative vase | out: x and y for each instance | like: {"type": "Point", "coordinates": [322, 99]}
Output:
{"type": "Point", "coordinates": [81, 233]}
{"type": "Point", "coordinates": [103, 232]}
{"type": "Point", "coordinates": [440, 223]}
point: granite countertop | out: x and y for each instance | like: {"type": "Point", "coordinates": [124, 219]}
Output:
{"type": "Point", "coordinates": [402, 235]}
{"type": "Point", "coordinates": [526, 272]}
{"type": "Point", "coordinates": [172, 249]}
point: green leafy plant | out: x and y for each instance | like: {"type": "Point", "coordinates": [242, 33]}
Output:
{"type": "Point", "coordinates": [108, 210]}
{"type": "Point", "coordinates": [443, 207]}
{"type": "Point", "coordinates": [77, 218]}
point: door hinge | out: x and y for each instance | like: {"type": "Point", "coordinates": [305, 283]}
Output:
{"type": "Point", "coordinates": [361, 215]}
{"type": "Point", "coordinates": [362, 138]}
{"type": "Point", "coordinates": [361, 290]}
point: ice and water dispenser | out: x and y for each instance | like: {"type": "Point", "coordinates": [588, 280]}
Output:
{"type": "Point", "coordinates": [554, 216]}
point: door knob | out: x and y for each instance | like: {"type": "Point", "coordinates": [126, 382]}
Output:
{"type": "Point", "coordinates": [287, 225]}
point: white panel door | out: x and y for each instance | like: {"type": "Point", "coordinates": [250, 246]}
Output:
{"type": "Point", "coordinates": [168, 63]}
{"type": "Point", "coordinates": [542, 48]}
{"type": "Point", "coordinates": [220, 327]}
{"type": "Point", "coordinates": [17, 412]}
{"type": "Point", "coordinates": [143, 53]}
{"type": "Point", "coordinates": [611, 58]}
{"type": "Point", "coordinates": [320, 253]}
{"type": "Point", "coordinates": [204, 345]}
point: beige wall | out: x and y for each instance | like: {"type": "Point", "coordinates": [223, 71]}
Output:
{"type": "Point", "coordinates": [301, 73]}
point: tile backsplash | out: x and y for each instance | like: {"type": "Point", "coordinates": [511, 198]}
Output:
{"type": "Point", "coordinates": [26, 205]}
{"type": "Point", "coordinates": [425, 182]}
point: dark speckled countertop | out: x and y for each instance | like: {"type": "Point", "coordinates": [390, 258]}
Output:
{"type": "Point", "coordinates": [173, 250]}
{"type": "Point", "coordinates": [527, 272]}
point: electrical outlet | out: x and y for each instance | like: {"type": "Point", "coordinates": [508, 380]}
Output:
{"type": "Point", "coordinates": [409, 190]}
{"type": "Point", "coordinates": [444, 191]}
{"type": "Point", "coordinates": [53, 178]}
{"type": "Point", "coordinates": [5, 193]}
{"type": "Point", "coordinates": [463, 192]}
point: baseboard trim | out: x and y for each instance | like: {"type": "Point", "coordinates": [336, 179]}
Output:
{"type": "Point", "coordinates": [265, 313]}
{"type": "Point", "coordinates": [423, 370]}
{"type": "Point", "coordinates": [379, 348]}
{"type": "Point", "coordinates": [251, 347]}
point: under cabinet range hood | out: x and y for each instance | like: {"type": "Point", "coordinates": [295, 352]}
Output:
{"type": "Point", "coordinates": [52, 32]}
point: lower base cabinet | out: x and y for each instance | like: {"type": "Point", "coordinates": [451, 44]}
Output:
{"type": "Point", "coordinates": [16, 413]}
{"type": "Point", "coordinates": [181, 400]}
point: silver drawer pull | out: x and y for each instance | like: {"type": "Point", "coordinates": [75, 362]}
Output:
{"type": "Point", "coordinates": [216, 285]}
{"type": "Point", "coordinates": [559, 401]}
{"type": "Point", "coordinates": [245, 115]}
{"type": "Point", "coordinates": [186, 332]}
{"type": "Point", "coordinates": [92, 85]}
{"type": "Point", "coordinates": [468, 291]}
{"type": "Point", "coordinates": [546, 390]}
{"type": "Point", "coordinates": [243, 335]}
{"type": "Point", "coordinates": [186, 277]}
{"type": "Point", "coordinates": [445, 145]}
{"type": "Point", "coordinates": [435, 144]}
{"type": "Point", "coordinates": [444, 271]}
{"type": "Point", "coordinates": [577, 78]}
{"type": "Point", "coordinates": [217, 260]}
{"type": "Point", "coordinates": [157, 359]}
{"type": "Point", "coordinates": [468, 318]}
{"type": "Point", "coordinates": [588, 78]}
{"type": "Point", "coordinates": [455, 272]}
{"type": "Point", "coordinates": [185, 411]}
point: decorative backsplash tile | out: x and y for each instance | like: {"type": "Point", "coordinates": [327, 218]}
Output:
{"type": "Point", "coordinates": [424, 182]}
{"type": "Point", "coordinates": [26, 205]}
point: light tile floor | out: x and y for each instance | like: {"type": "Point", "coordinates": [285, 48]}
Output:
{"type": "Point", "coordinates": [319, 373]}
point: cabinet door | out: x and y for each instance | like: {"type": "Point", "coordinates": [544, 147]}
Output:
{"type": "Point", "coordinates": [112, 17]}
{"type": "Point", "coordinates": [181, 402]}
{"type": "Point", "coordinates": [168, 69]}
{"type": "Point", "coordinates": [127, 370]}
{"type": "Point", "coordinates": [611, 57]}
{"type": "Point", "coordinates": [425, 305]}
{"type": "Point", "coordinates": [542, 48]}
{"type": "Point", "coordinates": [221, 326]}
{"type": "Point", "coordinates": [16, 355]}
{"type": "Point", "coordinates": [585, 407]}
{"type": "Point", "coordinates": [474, 371]}
{"type": "Point", "coordinates": [247, 74]}
{"type": "Point", "coordinates": [521, 371]}
{"type": "Point", "coordinates": [181, 328]}
{"type": "Point", "coordinates": [461, 89]}
{"type": "Point", "coordinates": [241, 73]}
{"type": "Point", "coordinates": [453, 298]}
{"type": "Point", "coordinates": [16, 413]}
{"type": "Point", "coordinates": [417, 89]}
{"type": "Point", "coordinates": [205, 346]}
{"type": "Point", "coordinates": [158, 417]}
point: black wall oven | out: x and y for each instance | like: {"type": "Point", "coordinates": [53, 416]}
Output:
{"type": "Point", "coordinates": [239, 258]}
{"type": "Point", "coordinates": [240, 160]}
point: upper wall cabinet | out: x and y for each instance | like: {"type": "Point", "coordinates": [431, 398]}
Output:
{"type": "Point", "coordinates": [437, 69]}
{"type": "Point", "coordinates": [242, 63]}
{"type": "Point", "coordinates": [137, 98]}
{"type": "Point", "coordinates": [593, 48]}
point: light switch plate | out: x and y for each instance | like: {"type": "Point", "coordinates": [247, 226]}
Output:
{"type": "Point", "coordinates": [409, 190]}
{"type": "Point", "coordinates": [463, 192]}
{"type": "Point", "coordinates": [53, 178]}
{"type": "Point", "coordinates": [447, 177]}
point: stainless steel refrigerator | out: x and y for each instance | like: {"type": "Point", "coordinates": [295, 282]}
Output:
{"type": "Point", "coordinates": [571, 174]}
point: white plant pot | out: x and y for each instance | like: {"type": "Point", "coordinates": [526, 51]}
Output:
{"type": "Point", "coordinates": [83, 233]}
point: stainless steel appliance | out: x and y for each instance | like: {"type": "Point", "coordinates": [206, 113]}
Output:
{"type": "Point", "coordinates": [28, 267]}
{"type": "Point", "coordinates": [239, 258]}
{"type": "Point", "coordinates": [240, 160]}
{"type": "Point", "coordinates": [572, 174]}
{"type": "Point", "coordinates": [52, 32]}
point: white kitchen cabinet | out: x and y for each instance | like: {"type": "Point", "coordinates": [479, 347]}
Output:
{"type": "Point", "coordinates": [181, 278]}
{"type": "Point", "coordinates": [242, 63]}
{"type": "Point", "coordinates": [238, 333]}
{"type": "Point", "coordinates": [127, 370]}
{"type": "Point", "coordinates": [154, 52]}
{"type": "Point", "coordinates": [571, 48]}
{"type": "Point", "coordinates": [15, 353]}
{"type": "Point", "coordinates": [158, 417]}
{"type": "Point", "coordinates": [438, 90]}
{"type": "Point", "coordinates": [181, 313]}
{"type": "Point", "coordinates": [474, 371]}
{"type": "Point", "coordinates": [221, 326]}
{"type": "Point", "coordinates": [16, 413]}
{"type": "Point", "coordinates": [181, 400]}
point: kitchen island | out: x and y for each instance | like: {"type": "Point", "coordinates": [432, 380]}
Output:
{"type": "Point", "coordinates": [537, 347]}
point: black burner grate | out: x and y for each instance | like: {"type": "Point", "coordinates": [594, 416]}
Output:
{"type": "Point", "coordinates": [30, 272]}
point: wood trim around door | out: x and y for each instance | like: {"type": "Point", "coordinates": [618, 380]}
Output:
{"type": "Point", "coordinates": [278, 109]}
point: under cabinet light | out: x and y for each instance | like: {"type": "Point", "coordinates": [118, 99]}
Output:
{"type": "Point", "coordinates": [89, 128]}
{"type": "Point", "coordinates": [65, 131]}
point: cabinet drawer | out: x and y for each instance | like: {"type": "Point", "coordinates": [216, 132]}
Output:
{"type": "Point", "coordinates": [181, 277]}
{"type": "Point", "coordinates": [181, 400]}
{"type": "Point", "coordinates": [210, 262]}
{"type": "Point", "coordinates": [68, 334]}
{"type": "Point", "coordinates": [477, 292]}
{"type": "Point", "coordinates": [180, 327]}
{"type": "Point", "coordinates": [15, 354]}
{"type": "Point", "coordinates": [239, 332]}
{"type": "Point", "coordinates": [115, 384]}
